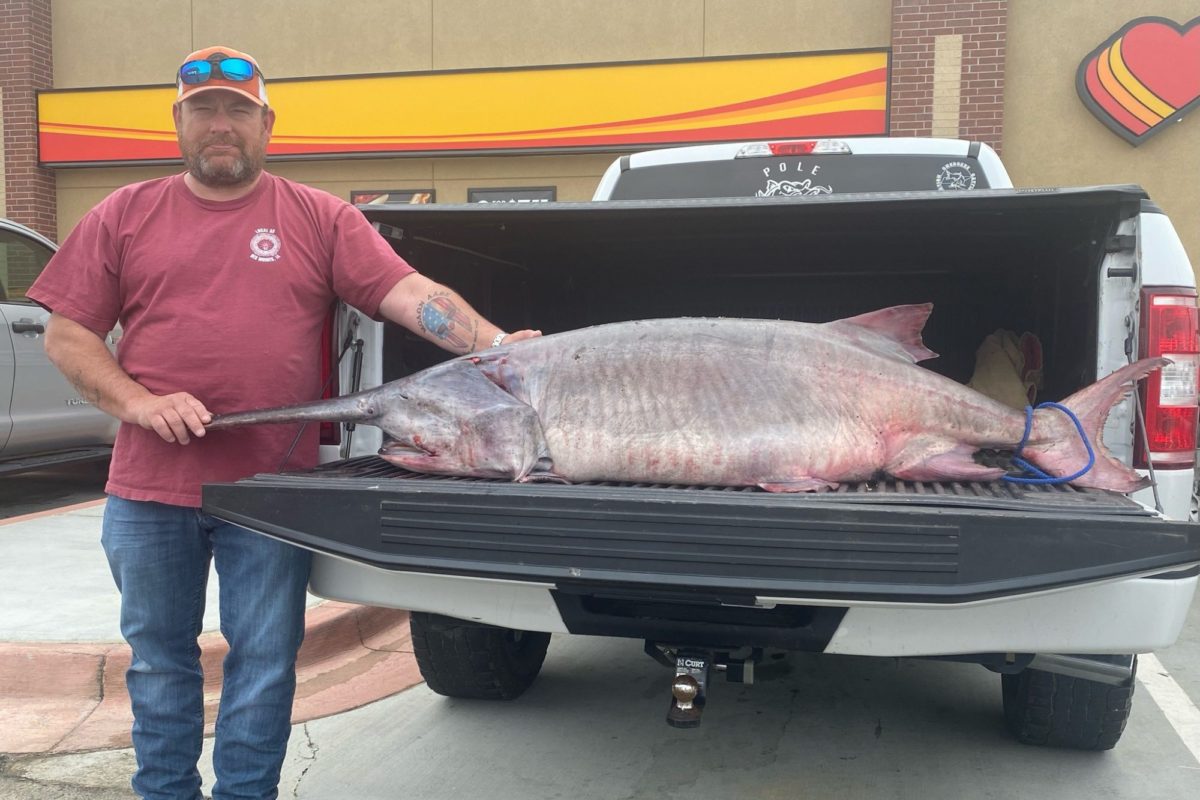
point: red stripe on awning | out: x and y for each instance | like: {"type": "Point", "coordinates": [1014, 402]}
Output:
{"type": "Point", "coordinates": [64, 148]}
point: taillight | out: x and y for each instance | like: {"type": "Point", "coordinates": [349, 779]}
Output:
{"type": "Point", "coordinates": [331, 432]}
{"type": "Point", "coordinates": [795, 148]}
{"type": "Point", "coordinates": [1169, 328]}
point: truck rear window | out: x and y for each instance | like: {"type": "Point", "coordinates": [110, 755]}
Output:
{"type": "Point", "coordinates": [800, 176]}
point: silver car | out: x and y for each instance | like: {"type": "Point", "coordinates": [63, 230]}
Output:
{"type": "Point", "coordinates": [43, 420]}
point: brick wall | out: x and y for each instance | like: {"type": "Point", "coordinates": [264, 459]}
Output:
{"type": "Point", "coordinates": [25, 66]}
{"type": "Point", "coordinates": [926, 49]}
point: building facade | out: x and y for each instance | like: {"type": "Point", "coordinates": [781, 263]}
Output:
{"type": "Point", "coordinates": [457, 100]}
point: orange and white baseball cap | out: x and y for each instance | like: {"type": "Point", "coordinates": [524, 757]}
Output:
{"type": "Point", "coordinates": [221, 68]}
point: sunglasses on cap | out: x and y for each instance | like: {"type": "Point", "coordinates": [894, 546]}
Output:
{"type": "Point", "coordinates": [229, 67]}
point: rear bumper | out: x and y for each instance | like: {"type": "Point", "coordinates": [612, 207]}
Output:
{"type": "Point", "coordinates": [1131, 615]}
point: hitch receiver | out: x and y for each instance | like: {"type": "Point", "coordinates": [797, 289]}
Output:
{"type": "Point", "coordinates": [689, 690]}
{"type": "Point", "coordinates": [693, 669]}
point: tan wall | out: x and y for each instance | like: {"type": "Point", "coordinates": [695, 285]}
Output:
{"type": "Point", "coordinates": [1050, 138]}
{"type": "Point", "coordinates": [574, 176]}
{"type": "Point", "coordinates": [80, 189]}
{"type": "Point", "coordinates": [143, 41]}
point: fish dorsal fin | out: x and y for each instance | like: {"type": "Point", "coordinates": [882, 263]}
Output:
{"type": "Point", "coordinates": [897, 330]}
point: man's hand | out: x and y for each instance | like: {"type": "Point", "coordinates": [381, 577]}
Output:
{"type": "Point", "coordinates": [171, 416]}
{"type": "Point", "coordinates": [517, 336]}
{"type": "Point", "coordinates": [81, 355]}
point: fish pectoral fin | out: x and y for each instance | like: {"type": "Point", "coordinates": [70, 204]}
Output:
{"type": "Point", "coordinates": [495, 368]}
{"type": "Point", "coordinates": [933, 459]}
{"type": "Point", "coordinates": [802, 484]}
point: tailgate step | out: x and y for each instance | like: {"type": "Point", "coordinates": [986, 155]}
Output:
{"type": "Point", "coordinates": [840, 545]}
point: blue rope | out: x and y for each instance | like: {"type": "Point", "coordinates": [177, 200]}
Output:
{"type": "Point", "coordinates": [1042, 477]}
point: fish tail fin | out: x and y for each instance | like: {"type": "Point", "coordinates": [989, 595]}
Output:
{"type": "Point", "coordinates": [1055, 445]}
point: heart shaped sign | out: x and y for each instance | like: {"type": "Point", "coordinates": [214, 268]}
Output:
{"type": "Point", "coordinates": [1143, 77]}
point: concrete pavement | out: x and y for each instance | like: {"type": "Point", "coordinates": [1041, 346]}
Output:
{"type": "Point", "coordinates": [62, 661]}
{"type": "Point", "coordinates": [592, 728]}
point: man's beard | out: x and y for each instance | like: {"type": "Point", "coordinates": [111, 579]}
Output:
{"type": "Point", "coordinates": [219, 171]}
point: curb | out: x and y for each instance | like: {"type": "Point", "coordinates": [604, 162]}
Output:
{"type": "Point", "coordinates": [71, 697]}
{"type": "Point", "coordinates": [52, 512]}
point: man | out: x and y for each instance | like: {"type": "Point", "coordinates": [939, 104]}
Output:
{"type": "Point", "coordinates": [221, 278]}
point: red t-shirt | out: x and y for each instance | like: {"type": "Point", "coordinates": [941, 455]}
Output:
{"type": "Point", "coordinates": [225, 300]}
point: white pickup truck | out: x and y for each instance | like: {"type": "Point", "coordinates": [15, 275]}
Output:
{"type": "Point", "coordinates": [43, 420]}
{"type": "Point", "coordinates": [1054, 587]}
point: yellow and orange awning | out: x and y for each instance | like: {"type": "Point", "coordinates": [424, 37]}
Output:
{"type": "Point", "coordinates": [594, 107]}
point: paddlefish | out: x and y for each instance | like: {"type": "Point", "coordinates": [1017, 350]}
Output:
{"type": "Point", "coordinates": [785, 406]}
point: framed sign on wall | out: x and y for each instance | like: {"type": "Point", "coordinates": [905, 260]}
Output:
{"type": "Point", "coordinates": [515, 194]}
{"type": "Point", "coordinates": [361, 197]}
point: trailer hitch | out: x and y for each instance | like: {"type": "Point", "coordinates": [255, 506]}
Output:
{"type": "Point", "coordinates": [689, 690]}
{"type": "Point", "coordinates": [693, 671]}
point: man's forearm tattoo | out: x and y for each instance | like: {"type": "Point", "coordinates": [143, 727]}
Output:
{"type": "Point", "coordinates": [445, 320]}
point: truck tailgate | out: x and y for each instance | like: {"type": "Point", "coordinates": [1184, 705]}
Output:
{"type": "Point", "coordinates": [893, 540]}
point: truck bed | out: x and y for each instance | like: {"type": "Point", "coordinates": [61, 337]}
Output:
{"type": "Point", "coordinates": [1001, 259]}
{"type": "Point", "coordinates": [877, 540]}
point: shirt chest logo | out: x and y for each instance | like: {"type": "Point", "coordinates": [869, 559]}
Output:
{"type": "Point", "coordinates": [264, 245]}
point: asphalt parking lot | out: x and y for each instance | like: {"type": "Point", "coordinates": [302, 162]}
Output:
{"type": "Point", "coordinates": [593, 726]}
{"type": "Point", "coordinates": [31, 492]}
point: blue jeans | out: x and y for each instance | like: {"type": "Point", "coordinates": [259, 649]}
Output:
{"type": "Point", "coordinates": [159, 556]}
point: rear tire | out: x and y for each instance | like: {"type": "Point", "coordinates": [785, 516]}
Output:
{"type": "Point", "coordinates": [1043, 708]}
{"type": "Point", "coordinates": [478, 662]}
